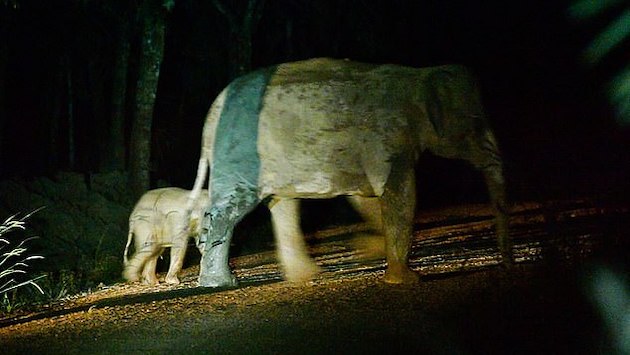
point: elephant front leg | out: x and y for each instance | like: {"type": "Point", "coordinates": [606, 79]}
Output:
{"type": "Point", "coordinates": [178, 253]}
{"type": "Point", "coordinates": [485, 156]}
{"type": "Point", "coordinates": [496, 189]}
{"type": "Point", "coordinates": [398, 210]}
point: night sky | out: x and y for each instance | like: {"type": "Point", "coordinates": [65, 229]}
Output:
{"type": "Point", "coordinates": [548, 108]}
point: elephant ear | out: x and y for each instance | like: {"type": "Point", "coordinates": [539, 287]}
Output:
{"type": "Point", "coordinates": [454, 102]}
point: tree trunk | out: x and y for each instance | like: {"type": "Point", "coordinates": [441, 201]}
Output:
{"type": "Point", "coordinates": [70, 117]}
{"type": "Point", "coordinates": [288, 38]}
{"type": "Point", "coordinates": [241, 32]}
{"type": "Point", "coordinates": [115, 158]}
{"type": "Point", "coordinates": [152, 27]}
{"type": "Point", "coordinates": [100, 119]}
{"type": "Point", "coordinates": [3, 118]}
{"type": "Point", "coordinates": [4, 54]}
{"type": "Point", "coordinates": [57, 102]}
{"type": "Point", "coordinates": [240, 54]}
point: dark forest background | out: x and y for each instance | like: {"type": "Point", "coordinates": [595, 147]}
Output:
{"type": "Point", "coordinates": [103, 99]}
{"type": "Point", "coordinates": [63, 62]}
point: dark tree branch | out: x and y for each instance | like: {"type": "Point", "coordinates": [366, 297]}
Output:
{"type": "Point", "coordinates": [227, 13]}
{"type": "Point", "coordinates": [253, 14]}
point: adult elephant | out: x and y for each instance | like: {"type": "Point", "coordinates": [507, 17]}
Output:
{"type": "Point", "coordinates": [322, 128]}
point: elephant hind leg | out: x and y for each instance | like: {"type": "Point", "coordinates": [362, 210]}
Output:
{"type": "Point", "coordinates": [148, 274]}
{"type": "Point", "coordinates": [221, 216]}
{"type": "Point", "coordinates": [370, 245]}
{"type": "Point", "coordinates": [141, 266]}
{"type": "Point", "coordinates": [146, 248]}
{"type": "Point", "coordinates": [398, 210]}
{"type": "Point", "coordinates": [291, 247]}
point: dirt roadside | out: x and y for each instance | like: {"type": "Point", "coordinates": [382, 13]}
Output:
{"type": "Point", "coordinates": [542, 306]}
{"type": "Point", "coordinates": [540, 309]}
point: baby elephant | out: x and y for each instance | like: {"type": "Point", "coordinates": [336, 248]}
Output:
{"type": "Point", "coordinates": [158, 221]}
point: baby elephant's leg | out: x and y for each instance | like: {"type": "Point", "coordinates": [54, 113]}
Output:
{"type": "Point", "coordinates": [146, 248]}
{"type": "Point", "coordinates": [179, 231]}
{"type": "Point", "coordinates": [148, 274]}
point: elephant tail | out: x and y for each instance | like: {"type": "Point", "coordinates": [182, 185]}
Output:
{"type": "Point", "coordinates": [129, 237]}
{"type": "Point", "coordinates": [202, 174]}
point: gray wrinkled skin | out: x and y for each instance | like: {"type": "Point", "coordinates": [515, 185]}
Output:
{"type": "Point", "coordinates": [333, 127]}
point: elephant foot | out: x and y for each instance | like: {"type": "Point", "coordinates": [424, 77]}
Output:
{"type": "Point", "coordinates": [131, 276]}
{"type": "Point", "coordinates": [150, 281]}
{"type": "Point", "coordinates": [218, 280]}
{"type": "Point", "coordinates": [171, 280]}
{"type": "Point", "coordinates": [302, 271]}
{"type": "Point", "coordinates": [402, 275]}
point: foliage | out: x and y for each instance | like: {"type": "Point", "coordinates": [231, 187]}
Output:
{"type": "Point", "coordinates": [610, 38]}
{"type": "Point", "coordinates": [10, 3]}
{"type": "Point", "coordinates": [9, 304]}
{"type": "Point", "coordinates": [14, 260]}
{"type": "Point", "coordinates": [168, 5]}
{"type": "Point", "coordinates": [59, 285]}
{"type": "Point", "coordinates": [84, 224]}
{"type": "Point", "coordinates": [14, 263]}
